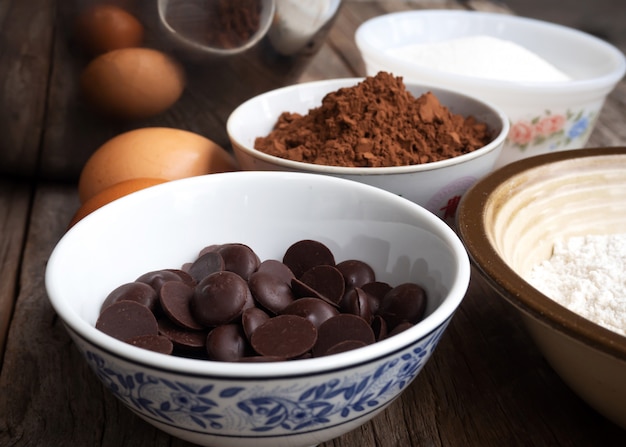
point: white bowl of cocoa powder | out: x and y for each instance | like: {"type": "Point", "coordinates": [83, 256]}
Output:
{"type": "Point", "coordinates": [423, 143]}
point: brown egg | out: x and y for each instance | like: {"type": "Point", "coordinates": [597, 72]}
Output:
{"type": "Point", "coordinates": [104, 27]}
{"type": "Point", "coordinates": [132, 83]}
{"type": "Point", "coordinates": [152, 152]}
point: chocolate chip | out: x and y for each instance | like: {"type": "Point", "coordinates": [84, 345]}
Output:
{"type": "Point", "coordinates": [183, 339]}
{"type": "Point", "coordinates": [240, 259]}
{"type": "Point", "coordinates": [227, 343]}
{"type": "Point", "coordinates": [127, 319]}
{"type": "Point", "coordinates": [356, 273]}
{"type": "Point", "coordinates": [306, 254]}
{"type": "Point", "coordinates": [400, 328]}
{"type": "Point", "coordinates": [206, 264]}
{"type": "Point", "coordinates": [156, 343]}
{"type": "Point", "coordinates": [285, 336]}
{"type": "Point", "coordinates": [139, 292]}
{"type": "Point", "coordinates": [344, 346]}
{"type": "Point", "coordinates": [156, 278]}
{"type": "Point", "coordinates": [340, 328]}
{"type": "Point", "coordinates": [276, 268]}
{"type": "Point", "coordinates": [184, 276]}
{"type": "Point", "coordinates": [379, 326]}
{"type": "Point", "coordinates": [313, 309]}
{"type": "Point", "coordinates": [406, 302]}
{"type": "Point", "coordinates": [376, 291]}
{"type": "Point", "coordinates": [219, 298]}
{"type": "Point", "coordinates": [327, 281]}
{"type": "Point", "coordinates": [251, 319]}
{"type": "Point", "coordinates": [175, 299]}
{"type": "Point", "coordinates": [261, 359]}
{"type": "Point", "coordinates": [270, 291]}
{"type": "Point", "coordinates": [357, 302]}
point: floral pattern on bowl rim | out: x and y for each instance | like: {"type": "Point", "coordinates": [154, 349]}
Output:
{"type": "Point", "coordinates": [246, 408]}
{"type": "Point", "coordinates": [556, 130]}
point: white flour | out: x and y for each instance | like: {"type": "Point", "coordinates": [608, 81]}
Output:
{"type": "Point", "coordinates": [482, 56]}
{"type": "Point", "coordinates": [588, 276]}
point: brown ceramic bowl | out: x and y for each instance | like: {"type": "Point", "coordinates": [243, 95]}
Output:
{"type": "Point", "coordinates": [509, 221]}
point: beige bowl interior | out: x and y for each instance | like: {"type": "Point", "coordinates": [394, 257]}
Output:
{"type": "Point", "coordinates": [509, 222]}
{"type": "Point", "coordinates": [572, 197]}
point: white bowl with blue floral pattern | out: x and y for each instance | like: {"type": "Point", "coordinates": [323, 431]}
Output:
{"type": "Point", "coordinates": [289, 403]}
{"type": "Point", "coordinates": [545, 116]}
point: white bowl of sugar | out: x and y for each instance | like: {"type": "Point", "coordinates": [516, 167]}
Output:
{"type": "Point", "coordinates": [549, 234]}
{"type": "Point", "coordinates": [551, 81]}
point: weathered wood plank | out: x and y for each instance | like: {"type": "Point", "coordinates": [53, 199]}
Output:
{"type": "Point", "coordinates": [14, 209]}
{"type": "Point", "coordinates": [27, 30]}
{"type": "Point", "coordinates": [486, 384]}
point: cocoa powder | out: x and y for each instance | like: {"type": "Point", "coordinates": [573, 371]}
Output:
{"type": "Point", "coordinates": [375, 123]}
{"type": "Point", "coordinates": [232, 22]}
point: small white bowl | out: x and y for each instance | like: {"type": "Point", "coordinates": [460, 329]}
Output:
{"type": "Point", "coordinates": [545, 116]}
{"type": "Point", "coordinates": [437, 186]}
{"type": "Point", "coordinates": [509, 222]}
{"type": "Point", "coordinates": [295, 403]}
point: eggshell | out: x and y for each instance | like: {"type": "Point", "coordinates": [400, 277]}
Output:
{"type": "Point", "coordinates": [104, 27]}
{"type": "Point", "coordinates": [153, 152]}
{"type": "Point", "coordinates": [132, 83]}
{"type": "Point", "coordinates": [112, 193]}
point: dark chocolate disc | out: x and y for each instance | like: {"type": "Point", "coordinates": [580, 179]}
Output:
{"type": "Point", "coordinates": [406, 302]}
{"type": "Point", "coordinates": [219, 298]}
{"type": "Point", "coordinates": [261, 359]}
{"type": "Point", "coordinates": [400, 328]}
{"type": "Point", "coordinates": [346, 345]}
{"type": "Point", "coordinates": [156, 343]}
{"type": "Point", "coordinates": [227, 343]}
{"type": "Point", "coordinates": [206, 264]}
{"type": "Point", "coordinates": [184, 339]}
{"type": "Point", "coordinates": [175, 298]}
{"type": "Point", "coordinates": [285, 336]}
{"type": "Point", "coordinates": [314, 309]}
{"type": "Point", "coordinates": [356, 273]}
{"type": "Point", "coordinates": [341, 328]}
{"type": "Point", "coordinates": [327, 281]}
{"type": "Point", "coordinates": [270, 291]}
{"type": "Point", "coordinates": [306, 254]}
{"type": "Point", "coordinates": [240, 259]}
{"type": "Point", "coordinates": [251, 319]}
{"type": "Point", "coordinates": [357, 302]}
{"type": "Point", "coordinates": [156, 278]}
{"type": "Point", "coordinates": [127, 319]}
{"type": "Point", "coordinates": [276, 268]}
{"type": "Point", "coordinates": [376, 291]}
{"type": "Point", "coordinates": [379, 326]}
{"type": "Point", "coordinates": [184, 276]}
{"type": "Point", "coordinates": [140, 292]}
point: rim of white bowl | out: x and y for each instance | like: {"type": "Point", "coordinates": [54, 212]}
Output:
{"type": "Point", "coordinates": [235, 121]}
{"type": "Point", "coordinates": [570, 87]}
{"type": "Point", "coordinates": [271, 370]}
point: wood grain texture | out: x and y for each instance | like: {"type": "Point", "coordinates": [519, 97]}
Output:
{"type": "Point", "coordinates": [485, 385]}
{"type": "Point", "coordinates": [14, 209]}
{"type": "Point", "coordinates": [26, 41]}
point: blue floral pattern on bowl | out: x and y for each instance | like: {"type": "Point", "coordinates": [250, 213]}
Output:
{"type": "Point", "coordinates": [206, 404]}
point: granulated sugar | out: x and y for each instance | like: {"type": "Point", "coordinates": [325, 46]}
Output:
{"type": "Point", "coordinates": [482, 56]}
{"type": "Point", "coordinates": [587, 275]}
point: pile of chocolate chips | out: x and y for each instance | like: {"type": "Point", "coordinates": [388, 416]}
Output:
{"type": "Point", "coordinates": [227, 305]}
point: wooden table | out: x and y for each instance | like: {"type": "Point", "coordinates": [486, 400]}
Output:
{"type": "Point", "coordinates": [486, 384]}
